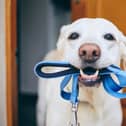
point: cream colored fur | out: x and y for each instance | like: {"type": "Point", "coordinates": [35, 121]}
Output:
{"type": "Point", "coordinates": [96, 107]}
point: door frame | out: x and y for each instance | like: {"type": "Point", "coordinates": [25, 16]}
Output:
{"type": "Point", "coordinates": [11, 67]}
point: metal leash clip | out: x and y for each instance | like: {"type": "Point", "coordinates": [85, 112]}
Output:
{"type": "Point", "coordinates": [74, 120]}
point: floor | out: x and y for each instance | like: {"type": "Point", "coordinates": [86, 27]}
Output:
{"type": "Point", "coordinates": [27, 110]}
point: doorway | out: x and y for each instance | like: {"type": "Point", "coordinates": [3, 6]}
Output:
{"type": "Point", "coordinates": [38, 26]}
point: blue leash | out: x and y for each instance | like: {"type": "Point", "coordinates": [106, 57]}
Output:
{"type": "Point", "coordinates": [110, 86]}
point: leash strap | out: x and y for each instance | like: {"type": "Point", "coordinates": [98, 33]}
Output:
{"type": "Point", "coordinates": [72, 96]}
{"type": "Point", "coordinates": [71, 72]}
{"type": "Point", "coordinates": [71, 69]}
{"type": "Point", "coordinates": [111, 86]}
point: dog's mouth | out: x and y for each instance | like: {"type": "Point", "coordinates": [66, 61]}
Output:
{"type": "Point", "coordinates": [90, 77]}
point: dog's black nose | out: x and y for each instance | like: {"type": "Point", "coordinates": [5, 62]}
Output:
{"type": "Point", "coordinates": [89, 52]}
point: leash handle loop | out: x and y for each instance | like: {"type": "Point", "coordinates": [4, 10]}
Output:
{"type": "Point", "coordinates": [39, 72]}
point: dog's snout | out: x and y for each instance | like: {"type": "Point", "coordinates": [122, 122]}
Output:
{"type": "Point", "coordinates": [89, 53]}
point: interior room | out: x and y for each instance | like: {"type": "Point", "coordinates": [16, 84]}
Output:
{"type": "Point", "coordinates": [29, 29]}
{"type": "Point", "coordinates": [38, 28]}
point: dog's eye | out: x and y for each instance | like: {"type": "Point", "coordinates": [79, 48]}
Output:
{"type": "Point", "coordinates": [109, 36]}
{"type": "Point", "coordinates": [73, 36]}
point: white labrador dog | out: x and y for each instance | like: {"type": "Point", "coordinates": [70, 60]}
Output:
{"type": "Point", "coordinates": [94, 43]}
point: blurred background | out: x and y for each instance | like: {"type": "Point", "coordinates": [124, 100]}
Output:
{"type": "Point", "coordinates": [28, 30]}
{"type": "Point", "coordinates": [38, 26]}
{"type": "Point", "coordinates": [39, 23]}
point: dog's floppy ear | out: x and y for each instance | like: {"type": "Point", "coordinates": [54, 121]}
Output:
{"type": "Point", "coordinates": [123, 50]}
{"type": "Point", "coordinates": [61, 40]}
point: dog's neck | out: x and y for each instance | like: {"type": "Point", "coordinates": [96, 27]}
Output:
{"type": "Point", "coordinates": [93, 95]}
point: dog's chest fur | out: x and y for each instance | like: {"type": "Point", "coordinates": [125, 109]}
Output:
{"type": "Point", "coordinates": [94, 106]}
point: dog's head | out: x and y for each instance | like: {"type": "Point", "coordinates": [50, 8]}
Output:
{"type": "Point", "coordinates": [95, 43]}
{"type": "Point", "coordinates": [92, 42]}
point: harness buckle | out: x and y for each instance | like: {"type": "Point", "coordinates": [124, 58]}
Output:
{"type": "Point", "coordinates": [74, 120]}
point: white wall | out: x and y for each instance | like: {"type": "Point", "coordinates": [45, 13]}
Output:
{"type": "Point", "coordinates": [39, 28]}
{"type": "Point", "coordinates": [2, 65]}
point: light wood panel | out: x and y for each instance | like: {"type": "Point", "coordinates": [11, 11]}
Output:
{"type": "Point", "coordinates": [83, 8]}
{"type": "Point", "coordinates": [78, 9]}
{"type": "Point", "coordinates": [11, 72]}
{"type": "Point", "coordinates": [113, 10]}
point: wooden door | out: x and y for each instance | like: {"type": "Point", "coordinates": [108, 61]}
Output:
{"type": "Point", "coordinates": [11, 71]}
{"type": "Point", "coordinates": [113, 10]}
